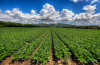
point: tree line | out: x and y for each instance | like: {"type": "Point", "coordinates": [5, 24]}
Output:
{"type": "Point", "coordinates": [13, 24]}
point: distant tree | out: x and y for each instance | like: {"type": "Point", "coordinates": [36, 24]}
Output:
{"type": "Point", "coordinates": [1, 26]}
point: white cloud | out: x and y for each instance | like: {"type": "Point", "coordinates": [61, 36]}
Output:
{"type": "Point", "coordinates": [4, 17]}
{"type": "Point", "coordinates": [75, 0]}
{"type": "Point", "coordinates": [88, 17]}
{"type": "Point", "coordinates": [49, 15]}
{"type": "Point", "coordinates": [66, 15]}
{"type": "Point", "coordinates": [93, 1]}
{"type": "Point", "coordinates": [48, 12]}
{"type": "Point", "coordinates": [19, 16]}
{"type": "Point", "coordinates": [33, 12]}
{"type": "Point", "coordinates": [79, 0]}
{"type": "Point", "coordinates": [90, 8]}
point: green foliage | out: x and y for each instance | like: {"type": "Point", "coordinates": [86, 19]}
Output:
{"type": "Point", "coordinates": [25, 52]}
{"type": "Point", "coordinates": [61, 51]}
{"type": "Point", "coordinates": [14, 24]}
{"type": "Point", "coordinates": [2, 26]}
{"type": "Point", "coordinates": [12, 39]}
{"type": "Point", "coordinates": [83, 43]}
{"type": "Point", "coordinates": [43, 52]}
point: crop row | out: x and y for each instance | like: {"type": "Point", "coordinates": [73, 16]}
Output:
{"type": "Point", "coordinates": [10, 43]}
{"type": "Point", "coordinates": [61, 51]}
{"type": "Point", "coordinates": [89, 40]}
{"type": "Point", "coordinates": [79, 51]}
{"type": "Point", "coordinates": [25, 52]}
{"type": "Point", "coordinates": [43, 52]}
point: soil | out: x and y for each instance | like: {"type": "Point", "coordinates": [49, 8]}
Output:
{"type": "Point", "coordinates": [8, 61]}
{"type": "Point", "coordinates": [27, 43]}
{"type": "Point", "coordinates": [51, 60]}
{"type": "Point", "coordinates": [71, 62]}
{"type": "Point", "coordinates": [60, 62]}
{"type": "Point", "coordinates": [96, 63]}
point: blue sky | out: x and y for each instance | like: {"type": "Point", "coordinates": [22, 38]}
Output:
{"type": "Point", "coordinates": [27, 5]}
{"type": "Point", "coordinates": [67, 11]}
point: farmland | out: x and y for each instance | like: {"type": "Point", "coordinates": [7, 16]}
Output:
{"type": "Point", "coordinates": [49, 46]}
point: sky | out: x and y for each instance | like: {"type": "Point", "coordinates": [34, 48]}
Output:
{"type": "Point", "coordinates": [76, 12]}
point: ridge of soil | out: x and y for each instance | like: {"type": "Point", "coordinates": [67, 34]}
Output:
{"type": "Point", "coordinates": [8, 61]}
{"type": "Point", "coordinates": [51, 61]}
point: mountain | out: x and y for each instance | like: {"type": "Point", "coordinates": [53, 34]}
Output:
{"type": "Point", "coordinates": [55, 25]}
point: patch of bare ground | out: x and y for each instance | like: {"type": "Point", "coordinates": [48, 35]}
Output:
{"type": "Point", "coordinates": [8, 61]}
{"type": "Point", "coordinates": [71, 62]}
{"type": "Point", "coordinates": [27, 43]}
{"type": "Point", "coordinates": [60, 62]}
{"type": "Point", "coordinates": [51, 60]}
{"type": "Point", "coordinates": [96, 63]}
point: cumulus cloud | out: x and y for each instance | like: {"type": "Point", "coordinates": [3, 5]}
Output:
{"type": "Point", "coordinates": [20, 16]}
{"type": "Point", "coordinates": [88, 17]}
{"type": "Point", "coordinates": [4, 17]}
{"type": "Point", "coordinates": [33, 12]}
{"type": "Point", "coordinates": [75, 1]}
{"type": "Point", "coordinates": [93, 1]}
{"type": "Point", "coordinates": [48, 12]}
{"type": "Point", "coordinates": [48, 15]}
{"type": "Point", "coordinates": [66, 15]}
{"type": "Point", "coordinates": [90, 8]}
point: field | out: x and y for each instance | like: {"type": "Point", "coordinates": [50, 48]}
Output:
{"type": "Point", "coordinates": [49, 46]}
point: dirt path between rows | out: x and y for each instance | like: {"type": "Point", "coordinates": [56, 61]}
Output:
{"type": "Point", "coordinates": [71, 62]}
{"type": "Point", "coordinates": [51, 60]}
{"type": "Point", "coordinates": [8, 61]}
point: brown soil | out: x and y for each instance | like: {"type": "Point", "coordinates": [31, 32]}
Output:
{"type": "Point", "coordinates": [96, 63]}
{"type": "Point", "coordinates": [27, 43]}
{"type": "Point", "coordinates": [70, 62]}
{"type": "Point", "coordinates": [60, 62]}
{"type": "Point", "coordinates": [51, 61]}
{"type": "Point", "coordinates": [8, 61]}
